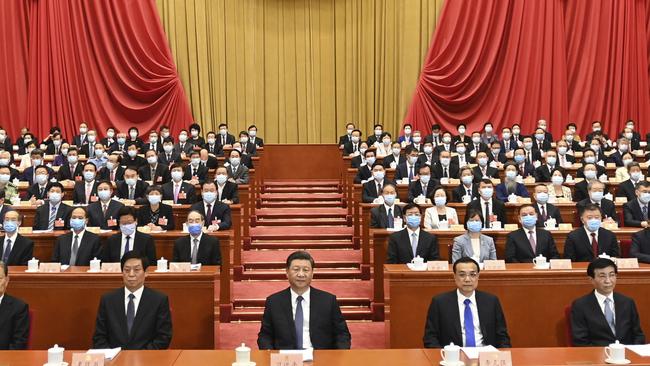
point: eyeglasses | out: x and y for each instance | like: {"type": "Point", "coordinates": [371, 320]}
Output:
{"type": "Point", "coordinates": [464, 275]}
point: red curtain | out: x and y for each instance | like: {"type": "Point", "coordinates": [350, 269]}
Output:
{"type": "Point", "coordinates": [509, 61]}
{"type": "Point", "coordinates": [105, 62]}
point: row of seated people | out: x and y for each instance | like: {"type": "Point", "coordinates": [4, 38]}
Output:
{"type": "Point", "coordinates": [103, 209]}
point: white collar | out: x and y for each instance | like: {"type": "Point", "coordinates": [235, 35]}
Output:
{"type": "Point", "coordinates": [11, 237]}
{"type": "Point", "coordinates": [137, 293]}
{"type": "Point", "coordinates": [601, 298]}
{"type": "Point", "coordinates": [294, 295]}
{"type": "Point", "coordinates": [461, 297]}
{"type": "Point", "coordinates": [198, 237]}
{"type": "Point", "coordinates": [410, 232]}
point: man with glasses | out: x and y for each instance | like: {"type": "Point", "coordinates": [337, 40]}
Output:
{"type": "Point", "coordinates": [604, 316]}
{"type": "Point", "coordinates": [460, 309]}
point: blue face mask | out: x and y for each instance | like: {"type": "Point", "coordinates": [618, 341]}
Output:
{"type": "Point", "coordinates": [77, 224]}
{"type": "Point", "coordinates": [389, 199]}
{"type": "Point", "coordinates": [194, 229]}
{"type": "Point", "coordinates": [128, 229]}
{"type": "Point", "coordinates": [474, 226]}
{"type": "Point", "coordinates": [413, 221]}
{"type": "Point", "coordinates": [529, 221]}
{"type": "Point", "coordinates": [519, 159]}
{"type": "Point", "coordinates": [440, 201]}
{"type": "Point", "coordinates": [593, 225]}
{"type": "Point", "coordinates": [10, 226]}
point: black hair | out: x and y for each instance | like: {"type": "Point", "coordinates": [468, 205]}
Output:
{"type": "Point", "coordinates": [466, 260]}
{"type": "Point", "coordinates": [126, 211]}
{"type": "Point", "coordinates": [409, 206]}
{"type": "Point", "coordinates": [300, 255]}
{"type": "Point", "coordinates": [600, 263]}
{"type": "Point", "coordinates": [134, 254]}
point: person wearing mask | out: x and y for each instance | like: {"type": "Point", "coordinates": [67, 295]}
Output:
{"type": "Point", "coordinates": [5, 161]}
{"type": "Point", "coordinates": [524, 168]}
{"type": "Point", "coordinates": [38, 191]}
{"type": "Point", "coordinates": [622, 147]}
{"type": "Point", "coordinates": [244, 159]}
{"type": "Point", "coordinates": [462, 137]}
{"type": "Point", "coordinates": [373, 187]}
{"type": "Point", "coordinates": [543, 125]}
{"type": "Point", "coordinates": [488, 136]}
{"type": "Point", "coordinates": [154, 143]}
{"type": "Point", "coordinates": [422, 187]}
{"type": "Point", "coordinates": [383, 216]}
{"type": "Point", "coordinates": [557, 189]}
{"type": "Point", "coordinates": [81, 139]}
{"type": "Point", "coordinates": [417, 142]}
{"type": "Point", "coordinates": [246, 147]}
{"type": "Point", "coordinates": [495, 157]}
{"type": "Point", "coordinates": [352, 147]}
{"type": "Point", "coordinates": [109, 141]}
{"type": "Point", "coordinates": [507, 143]}
{"type": "Point", "coordinates": [530, 241]}
{"type": "Point", "coordinates": [85, 191]}
{"type": "Point", "coordinates": [572, 139]}
{"type": "Point", "coordinates": [29, 174]}
{"type": "Point", "coordinates": [406, 137]}
{"type": "Point", "coordinates": [439, 212]}
{"type": "Point", "coordinates": [395, 157]}
{"type": "Point", "coordinates": [473, 244]}
{"type": "Point", "coordinates": [586, 243]}
{"type": "Point", "coordinates": [379, 130]}
{"type": "Point", "coordinates": [622, 174]}
{"type": "Point", "coordinates": [463, 158]}
{"type": "Point", "coordinates": [169, 155]}
{"type": "Point", "coordinates": [10, 190]}
{"type": "Point", "coordinates": [359, 159]}
{"type": "Point", "coordinates": [62, 157]}
{"type": "Point", "coordinates": [129, 238]}
{"type": "Point", "coordinates": [237, 172]}
{"type": "Point", "coordinates": [154, 172]}
{"type": "Point", "coordinates": [467, 190]}
{"type": "Point", "coordinates": [383, 146]}
{"type": "Point", "coordinates": [490, 207]}
{"type": "Point", "coordinates": [477, 146]}
{"type": "Point", "coordinates": [410, 242]}
{"type": "Point", "coordinates": [541, 144]}
{"type": "Point", "coordinates": [445, 144]}
{"type": "Point", "coordinates": [225, 140]}
{"type": "Point", "coordinates": [599, 149]}
{"type": "Point", "coordinates": [103, 212]}
{"type": "Point", "coordinates": [197, 247]}
{"type": "Point", "coordinates": [88, 149]}
{"type": "Point", "coordinates": [134, 139]}
{"type": "Point", "coordinates": [54, 145]}
{"type": "Point", "coordinates": [52, 214]}
{"type": "Point", "coordinates": [409, 169]}
{"type": "Point", "coordinates": [483, 170]}
{"type": "Point", "coordinates": [100, 158]}
{"type": "Point", "coordinates": [17, 250]}
{"type": "Point", "coordinates": [184, 147]}
{"type": "Point", "coordinates": [532, 156]}
{"type": "Point", "coordinates": [72, 169]}
{"type": "Point", "coordinates": [516, 134]}
{"type": "Point", "coordinates": [596, 197]}
{"type": "Point", "coordinates": [581, 188]}
{"type": "Point", "coordinates": [349, 127]}
{"type": "Point", "coordinates": [217, 214]}
{"type": "Point", "coordinates": [132, 188]}
{"type": "Point", "coordinates": [132, 158]}
{"type": "Point", "coordinates": [14, 333]}
{"type": "Point", "coordinates": [596, 130]}
{"type": "Point", "coordinates": [510, 186]}
{"type": "Point", "coordinates": [77, 247]}
{"type": "Point", "coordinates": [120, 144]}
{"type": "Point", "coordinates": [177, 190]}
{"type": "Point", "coordinates": [5, 140]}
{"type": "Point", "coordinates": [156, 215]}
{"type": "Point", "coordinates": [444, 167]}
{"type": "Point", "coordinates": [211, 144]}
{"type": "Point", "coordinates": [435, 137]}
{"type": "Point", "coordinates": [195, 136]}
{"type": "Point", "coordinates": [426, 157]}
{"type": "Point", "coordinates": [227, 192]}
{"type": "Point", "coordinates": [544, 209]}
{"type": "Point", "coordinates": [633, 137]}
{"type": "Point", "coordinates": [112, 171]}
{"type": "Point", "coordinates": [253, 138]}
{"type": "Point", "coordinates": [164, 134]}
{"type": "Point", "coordinates": [564, 159]}
{"type": "Point", "coordinates": [26, 138]}
{"type": "Point", "coordinates": [636, 211]}
{"type": "Point", "coordinates": [543, 172]}
{"type": "Point", "coordinates": [627, 188]}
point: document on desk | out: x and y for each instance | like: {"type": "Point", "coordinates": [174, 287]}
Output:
{"type": "Point", "coordinates": [472, 352]}
{"type": "Point", "coordinates": [307, 354]}
{"type": "Point", "coordinates": [642, 350]}
{"type": "Point", "coordinates": [109, 353]}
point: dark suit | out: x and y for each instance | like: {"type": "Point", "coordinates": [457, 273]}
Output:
{"type": "Point", "coordinates": [105, 174]}
{"type": "Point", "coordinates": [526, 170]}
{"type": "Point", "coordinates": [174, 157]}
{"type": "Point", "coordinates": [258, 141]}
{"type": "Point", "coordinates": [65, 174]}
{"type": "Point", "coordinates": [363, 173]}
{"type": "Point", "coordinates": [415, 189]}
{"type": "Point", "coordinates": [534, 154]}
{"type": "Point", "coordinates": [640, 248]}
{"type": "Point", "coordinates": [229, 192]}
{"type": "Point", "coordinates": [209, 253]}
{"type": "Point", "coordinates": [186, 188]}
{"type": "Point", "coordinates": [616, 157]}
{"type": "Point", "coordinates": [42, 217]}
{"type": "Point", "coordinates": [500, 157]}
{"type": "Point", "coordinates": [581, 191]}
{"type": "Point", "coordinates": [578, 245]}
{"type": "Point", "coordinates": [80, 140]}
{"type": "Point", "coordinates": [400, 251]}
{"type": "Point", "coordinates": [97, 218]}
{"type": "Point", "coordinates": [349, 147]}
{"type": "Point", "coordinates": [79, 192]}
{"type": "Point", "coordinates": [136, 162]}
{"type": "Point", "coordinates": [519, 249]}
{"type": "Point", "coordinates": [370, 190]}
{"type": "Point", "coordinates": [633, 215]}
{"type": "Point", "coordinates": [502, 192]}
{"type": "Point", "coordinates": [423, 159]}
{"type": "Point", "coordinates": [165, 213]}
{"type": "Point", "coordinates": [438, 172]}
{"type": "Point", "coordinates": [89, 248]}
{"type": "Point", "coordinates": [551, 212]}
{"type": "Point", "coordinates": [402, 171]}
{"type": "Point", "coordinates": [201, 173]}
{"type": "Point", "coordinates": [379, 216]}
{"type": "Point", "coordinates": [460, 191]}
{"type": "Point", "coordinates": [443, 321]}
{"type": "Point", "coordinates": [345, 139]}
{"type": "Point", "coordinates": [3, 210]}
{"type": "Point", "coordinates": [161, 176]}
{"type": "Point", "coordinates": [498, 209]}
{"type": "Point", "coordinates": [626, 189]}
{"type": "Point", "coordinates": [141, 242]}
{"type": "Point", "coordinates": [22, 250]}
{"type": "Point", "coordinates": [152, 327]}
{"type": "Point", "coordinates": [600, 170]}
{"type": "Point", "coordinates": [220, 211]}
{"type": "Point", "coordinates": [249, 149]}
{"type": "Point", "coordinates": [607, 208]}
{"type": "Point", "coordinates": [327, 327]}
{"type": "Point", "coordinates": [35, 191]}
{"type": "Point", "coordinates": [229, 139]}
{"type": "Point", "coordinates": [122, 191]}
{"type": "Point", "coordinates": [212, 149]}
{"type": "Point", "coordinates": [489, 173]}
{"type": "Point", "coordinates": [14, 323]}
{"type": "Point", "coordinates": [543, 173]}
{"type": "Point", "coordinates": [28, 174]}
{"type": "Point", "coordinates": [589, 326]}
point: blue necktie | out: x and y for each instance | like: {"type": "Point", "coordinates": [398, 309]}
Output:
{"type": "Point", "coordinates": [609, 315]}
{"type": "Point", "coordinates": [298, 322]}
{"type": "Point", "coordinates": [130, 313]}
{"type": "Point", "coordinates": [469, 325]}
{"type": "Point", "coordinates": [391, 219]}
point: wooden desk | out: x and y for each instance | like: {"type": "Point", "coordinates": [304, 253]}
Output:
{"type": "Point", "coordinates": [65, 304]}
{"type": "Point", "coordinates": [533, 301]}
{"type": "Point", "coordinates": [124, 358]}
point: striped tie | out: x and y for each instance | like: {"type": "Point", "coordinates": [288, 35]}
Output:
{"type": "Point", "coordinates": [50, 223]}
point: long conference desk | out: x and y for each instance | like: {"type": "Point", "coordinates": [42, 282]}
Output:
{"type": "Point", "coordinates": [64, 305]}
{"type": "Point", "coordinates": [355, 357]}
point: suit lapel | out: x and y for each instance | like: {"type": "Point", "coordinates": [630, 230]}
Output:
{"type": "Point", "coordinates": [120, 309]}
{"type": "Point", "coordinates": [458, 333]}
{"type": "Point", "coordinates": [587, 239]}
{"type": "Point", "coordinates": [287, 308]}
{"type": "Point", "coordinates": [483, 313]}
{"type": "Point", "coordinates": [599, 316]}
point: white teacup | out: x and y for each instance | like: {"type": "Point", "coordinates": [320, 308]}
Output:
{"type": "Point", "coordinates": [418, 261]}
{"type": "Point", "coordinates": [615, 352]}
{"type": "Point", "coordinates": [443, 225]}
{"type": "Point", "coordinates": [243, 354]}
{"type": "Point", "coordinates": [450, 354]}
{"type": "Point", "coordinates": [444, 180]}
{"type": "Point", "coordinates": [551, 223]}
{"type": "Point", "coordinates": [495, 225]}
{"type": "Point", "coordinates": [467, 199]}
{"type": "Point", "coordinates": [55, 354]}
{"type": "Point", "coordinates": [539, 261]}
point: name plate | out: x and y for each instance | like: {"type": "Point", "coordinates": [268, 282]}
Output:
{"type": "Point", "coordinates": [610, 225]}
{"type": "Point", "coordinates": [93, 229]}
{"type": "Point", "coordinates": [494, 265]}
{"type": "Point", "coordinates": [495, 358]}
{"type": "Point", "coordinates": [111, 267]}
{"type": "Point", "coordinates": [286, 359]}
{"type": "Point", "coordinates": [510, 227]}
{"type": "Point", "coordinates": [87, 359]}
{"type": "Point", "coordinates": [620, 200]}
{"type": "Point", "coordinates": [24, 230]}
{"type": "Point", "coordinates": [437, 266]}
{"type": "Point", "coordinates": [565, 226]}
{"type": "Point", "coordinates": [622, 263]}
{"type": "Point", "coordinates": [523, 199]}
{"type": "Point", "coordinates": [49, 267]}
{"type": "Point", "coordinates": [560, 263]}
{"type": "Point", "coordinates": [180, 266]}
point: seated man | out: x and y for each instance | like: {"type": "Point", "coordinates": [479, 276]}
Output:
{"type": "Point", "coordinates": [217, 214]}
{"type": "Point", "coordinates": [524, 244]}
{"type": "Point", "coordinates": [444, 167]}
{"type": "Point", "coordinates": [543, 172]}
{"type": "Point", "coordinates": [128, 238]}
{"type": "Point", "coordinates": [103, 212]}
{"type": "Point", "coordinates": [410, 242]}
{"type": "Point", "coordinates": [197, 247]}
{"type": "Point", "coordinates": [467, 190]}
{"type": "Point", "coordinates": [180, 192]}
{"type": "Point", "coordinates": [195, 173]}
{"type": "Point", "coordinates": [544, 209]}
{"type": "Point", "coordinates": [627, 188]}
{"type": "Point", "coordinates": [85, 190]}
{"type": "Point", "coordinates": [423, 185]}
{"type": "Point", "coordinates": [603, 316]}
{"type": "Point", "coordinates": [636, 211]}
{"type": "Point", "coordinates": [482, 170]}
{"type": "Point", "coordinates": [14, 316]}
{"type": "Point", "coordinates": [596, 191]}
{"type": "Point", "coordinates": [17, 250]}
{"type": "Point", "coordinates": [38, 190]}
{"type": "Point", "coordinates": [640, 248]}
{"type": "Point", "coordinates": [315, 321]}
{"type": "Point", "coordinates": [409, 168]}
{"type": "Point", "coordinates": [29, 174]}
{"type": "Point", "coordinates": [53, 215]}
{"type": "Point", "coordinates": [132, 188]}
{"type": "Point", "coordinates": [383, 216]}
{"type": "Point", "coordinates": [454, 316]}
{"type": "Point", "coordinates": [72, 169]}
{"type": "Point", "coordinates": [154, 172]}
{"type": "Point", "coordinates": [116, 326]}
{"type": "Point", "coordinates": [78, 247]}
{"type": "Point", "coordinates": [373, 187]}
{"type": "Point", "coordinates": [227, 192]}
{"type": "Point", "coordinates": [510, 186]}
{"type": "Point", "coordinates": [524, 168]}
{"type": "Point", "coordinates": [237, 172]}
{"type": "Point", "coordinates": [586, 243]}
{"type": "Point", "coordinates": [364, 172]}
{"type": "Point", "coordinates": [112, 171]}
{"type": "Point", "coordinates": [169, 156]}
{"type": "Point", "coordinates": [491, 209]}
{"type": "Point", "coordinates": [100, 158]}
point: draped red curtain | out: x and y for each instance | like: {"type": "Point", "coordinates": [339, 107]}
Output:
{"type": "Point", "coordinates": [105, 62]}
{"type": "Point", "coordinates": [509, 61]}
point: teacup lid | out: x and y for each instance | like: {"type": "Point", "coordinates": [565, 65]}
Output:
{"type": "Point", "coordinates": [242, 348]}
{"type": "Point", "coordinates": [451, 346]}
{"type": "Point", "coordinates": [617, 344]}
{"type": "Point", "coordinates": [56, 348]}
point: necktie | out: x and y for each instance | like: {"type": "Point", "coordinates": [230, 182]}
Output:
{"type": "Point", "coordinates": [609, 315]}
{"type": "Point", "coordinates": [645, 212]}
{"type": "Point", "coordinates": [507, 145]}
{"type": "Point", "coordinates": [223, 140]}
{"type": "Point", "coordinates": [195, 247]}
{"type": "Point", "coordinates": [531, 238]}
{"type": "Point", "coordinates": [113, 175]}
{"type": "Point", "coordinates": [89, 188]}
{"type": "Point", "coordinates": [5, 255]}
{"type": "Point", "coordinates": [444, 172]}
{"type": "Point", "coordinates": [486, 220]}
{"type": "Point", "coordinates": [169, 158]}
{"type": "Point", "coordinates": [153, 175]}
{"type": "Point", "coordinates": [127, 246]}
{"type": "Point", "coordinates": [50, 223]}
{"type": "Point", "coordinates": [391, 219]}
{"type": "Point", "coordinates": [469, 193]}
{"type": "Point", "coordinates": [131, 192]}
{"type": "Point", "coordinates": [104, 208]}
{"type": "Point", "coordinates": [298, 321]}
{"type": "Point", "coordinates": [42, 193]}
{"type": "Point", "coordinates": [521, 169]}
{"type": "Point", "coordinates": [543, 213]}
{"type": "Point", "coordinates": [75, 249]}
{"type": "Point", "coordinates": [528, 157]}
{"type": "Point", "coordinates": [177, 188]}
{"type": "Point", "coordinates": [92, 152]}
{"type": "Point", "coordinates": [208, 214]}
{"type": "Point", "coordinates": [378, 189]}
{"type": "Point", "coordinates": [130, 313]}
{"type": "Point", "coordinates": [411, 174]}
{"type": "Point", "coordinates": [594, 245]}
{"type": "Point", "coordinates": [414, 244]}
{"type": "Point", "coordinates": [470, 340]}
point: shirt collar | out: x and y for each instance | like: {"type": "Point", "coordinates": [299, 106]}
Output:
{"type": "Point", "coordinates": [601, 298]}
{"type": "Point", "coordinates": [461, 297]}
{"type": "Point", "coordinates": [11, 237]}
{"type": "Point", "coordinates": [294, 295]}
{"type": "Point", "coordinates": [589, 233]}
{"type": "Point", "coordinates": [198, 237]}
{"type": "Point", "coordinates": [410, 232]}
{"type": "Point", "coordinates": [137, 293]}
{"type": "Point", "coordinates": [2, 297]}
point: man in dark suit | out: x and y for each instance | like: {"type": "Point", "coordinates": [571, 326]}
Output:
{"type": "Point", "coordinates": [155, 172]}
{"type": "Point", "coordinates": [524, 168]}
{"type": "Point", "coordinates": [627, 188]}
{"type": "Point", "coordinates": [544, 209]}
{"type": "Point", "coordinates": [302, 316]}
{"type": "Point", "coordinates": [540, 142]}
{"type": "Point", "coordinates": [467, 186]}
{"type": "Point", "coordinates": [154, 143]}
{"type": "Point", "coordinates": [78, 247]}
{"type": "Point", "coordinates": [195, 173]}
{"type": "Point", "coordinates": [482, 170]}
{"type": "Point", "coordinates": [640, 248]}
{"type": "Point", "coordinates": [444, 167]}
{"type": "Point", "coordinates": [544, 172]}
{"type": "Point", "coordinates": [596, 191]}
{"type": "Point", "coordinates": [383, 216]}
{"type": "Point", "coordinates": [636, 211]}
{"type": "Point", "coordinates": [364, 172]}
{"type": "Point", "coordinates": [495, 153]}
{"type": "Point", "coordinates": [128, 238]}
{"type": "Point", "coordinates": [85, 190]}
{"type": "Point", "coordinates": [466, 317]}
{"type": "Point", "coordinates": [17, 250]}
{"type": "Point", "coordinates": [53, 215]}
{"type": "Point", "coordinates": [132, 188]}
{"type": "Point", "coordinates": [38, 190]}
{"type": "Point", "coordinates": [177, 190]}
{"type": "Point", "coordinates": [476, 145]}
{"type": "Point", "coordinates": [146, 324]}
{"type": "Point", "coordinates": [3, 207]}
{"type": "Point", "coordinates": [224, 138]}
{"type": "Point", "coordinates": [211, 144]}
{"type": "Point", "coordinates": [622, 147]}
{"type": "Point", "coordinates": [81, 139]}
{"type": "Point", "coordinates": [103, 213]}
{"type": "Point", "coordinates": [372, 188]}
{"type": "Point", "coordinates": [197, 247]}
{"type": "Point", "coordinates": [246, 147]}
{"type": "Point", "coordinates": [588, 242]}
{"type": "Point", "coordinates": [349, 127]}
{"type": "Point", "coordinates": [132, 159]}
{"type": "Point", "coordinates": [112, 171]}
{"type": "Point", "coordinates": [424, 185]}
{"type": "Point", "coordinates": [409, 169]}
{"type": "Point", "coordinates": [496, 210]}
{"type": "Point", "coordinates": [354, 145]}
{"type": "Point", "coordinates": [14, 316]}
{"type": "Point", "coordinates": [254, 138]}
{"type": "Point", "coordinates": [529, 242]}
{"type": "Point", "coordinates": [169, 155]}
{"type": "Point", "coordinates": [72, 169]}
{"type": "Point", "coordinates": [406, 244]}
{"type": "Point", "coordinates": [463, 158]}
{"type": "Point", "coordinates": [227, 192]}
{"type": "Point", "coordinates": [217, 214]}
{"type": "Point", "coordinates": [531, 155]}
{"type": "Point", "coordinates": [604, 316]}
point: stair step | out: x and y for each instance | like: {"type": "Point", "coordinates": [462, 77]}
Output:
{"type": "Point", "coordinates": [301, 196]}
{"type": "Point", "coordinates": [302, 221]}
{"type": "Point", "coordinates": [315, 189]}
{"type": "Point", "coordinates": [300, 183]}
{"type": "Point", "coordinates": [322, 257]}
{"type": "Point", "coordinates": [325, 212]}
{"type": "Point", "coordinates": [296, 204]}
{"type": "Point", "coordinates": [345, 290]}
{"type": "Point", "coordinates": [322, 273]}
{"type": "Point", "coordinates": [302, 244]}
{"type": "Point", "coordinates": [301, 233]}
{"type": "Point", "coordinates": [255, 314]}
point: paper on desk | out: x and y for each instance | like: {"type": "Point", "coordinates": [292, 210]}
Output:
{"type": "Point", "coordinates": [109, 353]}
{"type": "Point", "coordinates": [307, 354]}
{"type": "Point", "coordinates": [642, 350]}
{"type": "Point", "coordinates": [64, 267]}
{"type": "Point", "coordinates": [472, 352]}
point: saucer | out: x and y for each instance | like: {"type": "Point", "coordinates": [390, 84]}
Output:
{"type": "Point", "coordinates": [546, 266]}
{"type": "Point", "coordinates": [161, 271]}
{"type": "Point", "coordinates": [621, 362]}
{"type": "Point", "coordinates": [251, 363]}
{"type": "Point", "coordinates": [93, 271]}
{"type": "Point", "coordinates": [56, 364]}
{"type": "Point", "coordinates": [458, 363]}
{"type": "Point", "coordinates": [412, 267]}
{"type": "Point", "coordinates": [31, 270]}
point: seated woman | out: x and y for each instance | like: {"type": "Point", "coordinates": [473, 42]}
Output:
{"type": "Point", "coordinates": [622, 174]}
{"type": "Point", "coordinates": [473, 244]}
{"type": "Point", "coordinates": [556, 189]}
{"type": "Point", "coordinates": [156, 215]}
{"type": "Point", "coordinates": [439, 212]}
{"type": "Point", "coordinates": [383, 145]}
{"type": "Point", "coordinates": [510, 185]}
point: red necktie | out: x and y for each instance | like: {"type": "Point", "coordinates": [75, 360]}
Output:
{"type": "Point", "coordinates": [594, 245]}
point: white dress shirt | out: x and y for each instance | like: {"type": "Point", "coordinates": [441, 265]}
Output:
{"type": "Point", "coordinates": [2, 297]}
{"type": "Point", "coordinates": [306, 301]}
{"type": "Point", "coordinates": [601, 302]}
{"type": "Point", "coordinates": [131, 242]}
{"type": "Point", "coordinates": [136, 300]}
{"type": "Point", "coordinates": [589, 234]}
{"type": "Point", "coordinates": [478, 336]}
{"type": "Point", "coordinates": [13, 242]}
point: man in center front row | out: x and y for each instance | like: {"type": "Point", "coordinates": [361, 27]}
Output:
{"type": "Point", "coordinates": [133, 317]}
{"type": "Point", "coordinates": [302, 316]}
{"type": "Point", "coordinates": [466, 317]}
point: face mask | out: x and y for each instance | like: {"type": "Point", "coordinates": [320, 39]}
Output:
{"type": "Point", "coordinates": [386, 142]}
{"type": "Point", "coordinates": [596, 129]}
{"type": "Point", "coordinates": [133, 134]}
{"type": "Point", "coordinates": [92, 138]}
{"type": "Point", "coordinates": [378, 175]}
{"type": "Point", "coordinates": [110, 165]}
{"type": "Point", "coordinates": [467, 179]}
{"type": "Point", "coordinates": [3, 137]}
{"type": "Point", "coordinates": [413, 221]}
{"type": "Point", "coordinates": [595, 147]}
{"type": "Point", "coordinates": [590, 174]}
{"type": "Point", "coordinates": [528, 145]}
{"type": "Point", "coordinates": [253, 133]}
{"type": "Point", "coordinates": [486, 193]}
{"type": "Point", "coordinates": [596, 196]}
{"type": "Point", "coordinates": [389, 199]}
{"type": "Point", "coordinates": [593, 225]}
{"type": "Point", "coordinates": [496, 151]}
{"type": "Point", "coordinates": [636, 176]}
{"type": "Point", "coordinates": [445, 161]}
{"type": "Point", "coordinates": [177, 176]}
{"type": "Point", "coordinates": [89, 176]}
{"type": "Point", "coordinates": [627, 162]}
{"type": "Point", "coordinates": [623, 148]}
{"type": "Point", "coordinates": [55, 197]}
{"type": "Point", "coordinates": [543, 127]}
{"type": "Point", "coordinates": [132, 153]}
{"type": "Point", "coordinates": [194, 229]}
{"type": "Point", "coordinates": [407, 131]}
{"type": "Point", "coordinates": [37, 162]}
{"type": "Point", "coordinates": [629, 135]}
{"type": "Point", "coordinates": [41, 179]}
{"type": "Point", "coordinates": [519, 159]}
{"type": "Point", "coordinates": [396, 151]}
{"type": "Point", "coordinates": [551, 160]}
{"type": "Point", "coordinates": [4, 178]}
{"type": "Point", "coordinates": [130, 181]}
{"type": "Point", "coordinates": [152, 160]}
{"type": "Point", "coordinates": [27, 141]}
{"type": "Point", "coordinates": [428, 150]}
{"type": "Point", "coordinates": [425, 179]}
{"type": "Point", "coordinates": [482, 161]}
{"type": "Point", "coordinates": [10, 226]}
{"type": "Point", "coordinates": [77, 224]}
{"type": "Point", "coordinates": [516, 131]}
{"type": "Point", "coordinates": [644, 198]}
{"type": "Point", "coordinates": [110, 134]}
{"type": "Point", "coordinates": [234, 161]}
{"type": "Point", "coordinates": [506, 135]}
{"type": "Point", "coordinates": [529, 221]}
{"type": "Point", "coordinates": [476, 140]}
{"type": "Point", "coordinates": [590, 159]}
{"type": "Point", "coordinates": [511, 174]}
{"type": "Point", "coordinates": [349, 130]}
{"type": "Point", "coordinates": [488, 129]}
{"type": "Point", "coordinates": [413, 159]}
{"type": "Point", "coordinates": [541, 197]}
{"type": "Point", "coordinates": [165, 135]}
{"type": "Point", "coordinates": [461, 131]}
{"type": "Point", "coordinates": [557, 180]}
{"type": "Point", "coordinates": [211, 141]}
{"type": "Point", "coordinates": [194, 133]}
{"type": "Point", "coordinates": [243, 140]}
{"type": "Point", "coordinates": [446, 140]}
{"type": "Point", "coordinates": [99, 153]}
{"type": "Point", "coordinates": [461, 150]}
{"type": "Point", "coordinates": [104, 195]}
{"type": "Point", "coordinates": [378, 132]}
{"type": "Point", "coordinates": [72, 159]}
{"type": "Point", "coordinates": [121, 140]}
{"type": "Point", "coordinates": [417, 139]}
{"type": "Point", "coordinates": [168, 148]}
{"type": "Point", "coordinates": [209, 197]}
{"type": "Point", "coordinates": [182, 138]}
{"type": "Point", "coordinates": [221, 178]}
{"type": "Point", "coordinates": [127, 229]}
{"type": "Point", "coordinates": [355, 139]}
{"type": "Point", "coordinates": [57, 143]}
{"type": "Point", "coordinates": [83, 130]}
{"type": "Point", "coordinates": [153, 139]}
{"type": "Point", "coordinates": [474, 226]}
{"type": "Point", "coordinates": [4, 162]}
{"type": "Point", "coordinates": [223, 132]}
{"type": "Point", "coordinates": [440, 201]}
{"type": "Point", "coordinates": [561, 150]}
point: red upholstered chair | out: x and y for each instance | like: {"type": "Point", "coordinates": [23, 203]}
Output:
{"type": "Point", "coordinates": [567, 319]}
{"type": "Point", "coordinates": [624, 246]}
